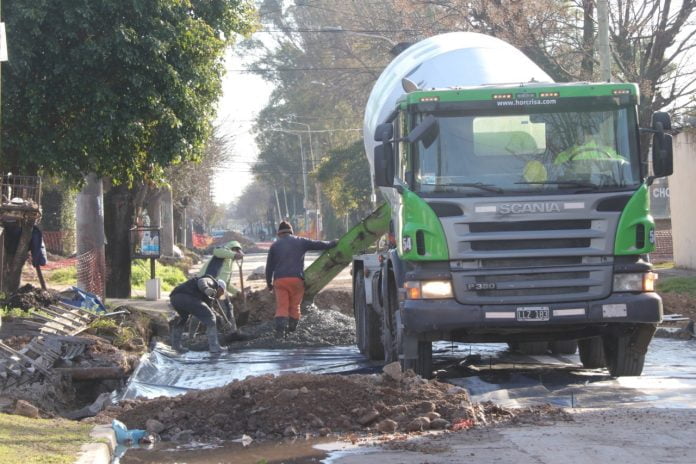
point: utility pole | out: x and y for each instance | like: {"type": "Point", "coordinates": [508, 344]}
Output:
{"type": "Point", "coordinates": [603, 32]}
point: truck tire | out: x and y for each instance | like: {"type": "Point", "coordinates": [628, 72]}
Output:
{"type": "Point", "coordinates": [532, 348]}
{"type": "Point", "coordinates": [625, 352]}
{"type": "Point", "coordinates": [367, 323]}
{"type": "Point", "coordinates": [563, 346]}
{"type": "Point", "coordinates": [423, 364]}
{"type": "Point", "coordinates": [592, 353]}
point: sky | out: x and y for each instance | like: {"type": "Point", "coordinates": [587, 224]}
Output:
{"type": "Point", "coordinates": [244, 95]}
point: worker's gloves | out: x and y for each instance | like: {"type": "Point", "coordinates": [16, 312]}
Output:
{"type": "Point", "coordinates": [210, 292]}
{"type": "Point", "coordinates": [238, 255]}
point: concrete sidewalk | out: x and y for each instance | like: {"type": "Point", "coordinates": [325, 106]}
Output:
{"type": "Point", "coordinates": [101, 448]}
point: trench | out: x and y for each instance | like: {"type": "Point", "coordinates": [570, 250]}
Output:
{"type": "Point", "coordinates": [490, 372]}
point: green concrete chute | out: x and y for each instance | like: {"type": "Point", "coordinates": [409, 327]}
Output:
{"type": "Point", "coordinates": [332, 261]}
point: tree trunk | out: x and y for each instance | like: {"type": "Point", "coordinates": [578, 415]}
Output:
{"type": "Point", "coordinates": [118, 219]}
{"type": "Point", "coordinates": [15, 262]}
{"type": "Point", "coordinates": [588, 40]}
{"type": "Point", "coordinates": [167, 234]}
{"type": "Point", "coordinates": [91, 272]}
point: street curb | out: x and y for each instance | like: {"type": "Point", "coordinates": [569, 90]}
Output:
{"type": "Point", "coordinates": [101, 449]}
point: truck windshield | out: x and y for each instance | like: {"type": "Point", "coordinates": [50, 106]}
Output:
{"type": "Point", "coordinates": [567, 151]}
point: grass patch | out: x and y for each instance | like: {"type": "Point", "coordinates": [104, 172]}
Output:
{"type": "Point", "coordinates": [664, 265]}
{"type": "Point", "coordinates": [677, 285]}
{"type": "Point", "coordinates": [171, 276]}
{"type": "Point", "coordinates": [63, 276]}
{"type": "Point", "coordinates": [30, 441]}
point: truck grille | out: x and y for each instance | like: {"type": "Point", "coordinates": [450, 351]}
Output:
{"type": "Point", "coordinates": [519, 262]}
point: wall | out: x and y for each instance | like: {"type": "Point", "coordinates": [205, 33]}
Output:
{"type": "Point", "coordinates": [682, 199]}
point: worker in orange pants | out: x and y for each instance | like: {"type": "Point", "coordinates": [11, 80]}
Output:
{"type": "Point", "coordinates": [285, 275]}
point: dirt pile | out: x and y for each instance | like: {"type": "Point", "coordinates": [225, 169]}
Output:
{"type": "Point", "coordinates": [28, 296]}
{"type": "Point", "coordinates": [261, 303]}
{"type": "Point", "coordinates": [248, 246]}
{"type": "Point", "coordinates": [316, 328]}
{"type": "Point", "coordinates": [339, 300]}
{"type": "Point", "coordinates": [679, 303]}
{"type": "Point", "coordinates": [299, 404]}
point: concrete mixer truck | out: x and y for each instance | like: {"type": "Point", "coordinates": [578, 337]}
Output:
{"type": "Point", "coordinates": [517, 211]}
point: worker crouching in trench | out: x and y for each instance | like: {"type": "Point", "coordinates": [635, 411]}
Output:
{"type": "Point", "coordinates": [195, 297]}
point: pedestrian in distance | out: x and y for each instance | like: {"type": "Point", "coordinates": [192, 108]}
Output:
{"type": "Point", "coordinates": [285, 275]}
{"type": "Point", "coordinates": [195, 298]}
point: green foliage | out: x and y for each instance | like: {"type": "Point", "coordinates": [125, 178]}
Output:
{"type": "Point", "coordinates": [12, 312]}
{"type": "Point", "coordinates": [64, 276]}
{"type": "Point", "coordinates": [344, 174]}
{"type": "Point", "coordinates": [171, 275]}
{"type": "Point", "coordinates": [124, 337]}
{"type": "Point", "coordinates": [677, 285]}
{"type": "Point", "coordinates": [104, 325]}
{"type": "Point", "coordinates": [117, 88]}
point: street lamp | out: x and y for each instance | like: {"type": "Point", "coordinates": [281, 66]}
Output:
{"type": "Point", "coordinates": [316, 184]}
{"type": "Point", "coordinates": [304, 169]}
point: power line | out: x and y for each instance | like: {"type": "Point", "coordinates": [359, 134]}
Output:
{"type": "Point", "coordinates": [352, 68]}
{"type": "Point", "coordinates": [335, 31]}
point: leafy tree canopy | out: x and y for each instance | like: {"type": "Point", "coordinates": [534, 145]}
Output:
{"type": "Point", "coordinates": [119, 88]}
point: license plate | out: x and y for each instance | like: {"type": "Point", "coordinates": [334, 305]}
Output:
{"type": "Point", "coordinates": [533, 313]}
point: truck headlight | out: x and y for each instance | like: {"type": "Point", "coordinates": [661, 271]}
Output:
{"type": "Point", "coordinates": [429, 289]}
{"type": "Point", "coordinates": [643, 282]}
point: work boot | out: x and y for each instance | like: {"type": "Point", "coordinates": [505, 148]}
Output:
{"type": "Point", "coordinates": [292, 324]}
{"type": "Point", "coordinates": [281, 325]}
{"type": "Point", "coordinates": [213, 343]}
{"type": "Point", "coordinates": [175, 333]}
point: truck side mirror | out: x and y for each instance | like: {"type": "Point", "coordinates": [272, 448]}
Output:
{"type": "Point", "coordinates": [662, 157]}
{"type": "Point", "coordinates": [384, 132]}
{"type": "Point", "coordinates": [427, 131]}
{"type": "Point", "coordinates": [663, 162]}
{"type": "Point", "coordinates": [384, 165]}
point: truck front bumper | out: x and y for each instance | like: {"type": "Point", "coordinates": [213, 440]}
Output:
{"type": "Point", "coordinates": [421, 316]}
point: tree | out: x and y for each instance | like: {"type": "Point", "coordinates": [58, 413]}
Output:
{"type": "Point", "coordinates": [347, 188]}
{"type": "Point", "coordinates": [121, 89]}
{"type": "Point", "coordinates": [651, 41]}
{"type": "Point", "coordinates": [254, 206]}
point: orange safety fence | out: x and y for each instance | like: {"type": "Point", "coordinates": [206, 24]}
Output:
{"type": "Point", "coordinates": [201, 241]}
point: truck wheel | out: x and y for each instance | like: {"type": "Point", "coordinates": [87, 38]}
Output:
{"type": "Point", "coordinates": [423, 364]}
{"type": "Point", "coordinates": [625, 353]}
{"type": "Point", "coordinates": [367, 323]}
{"type": "Point", "coordinates": [532, 348]}
{"type": "Point", "coordinates": [563, 346]}
{"type": "Point", "coordinates": [592, 353]}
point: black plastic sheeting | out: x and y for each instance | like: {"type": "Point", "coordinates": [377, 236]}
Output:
{"type": "Point", "coordinates": [162, 372]}
{"type": "Point", "coordinates": [514, 380]}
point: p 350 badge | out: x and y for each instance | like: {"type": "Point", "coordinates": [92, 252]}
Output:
{"type": "Point", "coordinates": [481, 286]}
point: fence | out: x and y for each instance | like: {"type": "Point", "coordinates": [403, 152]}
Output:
{"type": "Point", "coordinates": [59, 242]}
{"type": "Point", "coordinates": [91, 272]}
{"type": "Point", "coordinates": [20, 189]}
{"type": "Point", "coordinates": [664, 250]}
